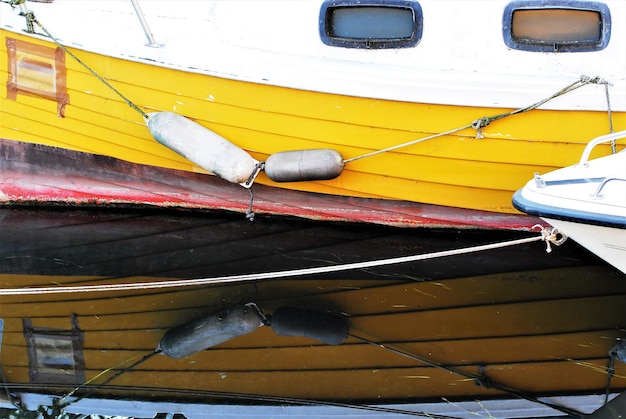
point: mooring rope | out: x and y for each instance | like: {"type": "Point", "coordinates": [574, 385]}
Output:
{"type": "Point", "coordinates": [609, 113]}
{"type": "Point", "coordinates": [479, 124]}
{"type": "Point", "coordinates": [407, 144]}
{"type": "Point", "coordinates": [138, 360]}
{"type": "Point", "coordinates": [94, 73]}
{"type": "Point", "coordinates": [550, 236]}
{"type": "Point", "coordinates": [481, 379]}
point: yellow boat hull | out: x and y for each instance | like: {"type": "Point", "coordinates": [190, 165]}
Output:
{"type": "Point", "coordinates": [469, 169]}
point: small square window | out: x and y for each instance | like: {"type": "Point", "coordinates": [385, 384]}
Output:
{"type": "Point", "coordinates": [38, 71]}
{"type": "Point", "coordinates": [55, 356]}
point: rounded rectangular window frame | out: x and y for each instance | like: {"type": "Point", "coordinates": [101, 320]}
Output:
{"type": "Point", "coordinates": [551, 46]}
{"type": "Point", "coordinates": [37, 71]}
{"type": "Point", "coordinates": [327, 37]}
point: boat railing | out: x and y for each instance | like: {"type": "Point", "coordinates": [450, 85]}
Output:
{"type": "Point", "coordinates": [598, 193]}
{"type": "Point", "coordinates": [599, 140]}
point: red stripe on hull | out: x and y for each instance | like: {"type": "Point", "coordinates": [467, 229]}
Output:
{"type": "Point", "coordinates": [37, 174]}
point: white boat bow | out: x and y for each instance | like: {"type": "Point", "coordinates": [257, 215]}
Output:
{"type": "Point", "coordinates": [586, 201]}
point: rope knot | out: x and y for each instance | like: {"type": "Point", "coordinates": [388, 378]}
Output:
{"type": "Point", "coordinates": [481, 123]}
{"type": "Point", "coordinates": [584, 79]}
{"type": "Point", "coordinates": [482, 380]}
{"type": "Point", "coordinates": [551, 237]}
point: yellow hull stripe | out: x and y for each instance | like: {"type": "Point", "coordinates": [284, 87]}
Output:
{"type": "Point", "coordinates": [458, 170]}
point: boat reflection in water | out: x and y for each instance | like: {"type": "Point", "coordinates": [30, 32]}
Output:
{"type": "Point", "coordinates": [515, 327]}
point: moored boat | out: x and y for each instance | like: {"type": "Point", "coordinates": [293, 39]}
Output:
{"type": "Point", "coordinates": [428, 115]}
{"type": "Point", "coordinates": [586, 201]}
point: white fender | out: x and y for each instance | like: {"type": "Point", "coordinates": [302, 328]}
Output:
{"type": "Point", "coordinates": [203, 147]}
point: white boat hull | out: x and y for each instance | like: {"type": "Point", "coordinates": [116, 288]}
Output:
{"type": "Point", "coordinates": [585, 201]}
{"type": "Point", "coordinates": [609, 243]}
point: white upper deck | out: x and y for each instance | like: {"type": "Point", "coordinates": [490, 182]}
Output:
{"type": "Point", "coordinates": [461, 58]}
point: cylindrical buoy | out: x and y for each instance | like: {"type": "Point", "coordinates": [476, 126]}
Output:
{"type": "Point", "coordinates": [208, 331]}
{"type": "Point", "coordinates": [304, 165]}
{"type": "Point", "coordinates": [202, 146]}
{"type": "Point", "coordinates": [326, 327]}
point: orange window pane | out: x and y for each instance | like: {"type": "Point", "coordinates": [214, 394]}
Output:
{"type": "Point", "coordinates": [556, 25]}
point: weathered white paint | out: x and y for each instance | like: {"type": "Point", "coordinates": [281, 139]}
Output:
{"type": "Point", "coordinates": [461, 59]}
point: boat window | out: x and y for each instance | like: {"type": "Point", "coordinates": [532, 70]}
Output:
{"type": "Point", "coordinates": [55, 355]}
{"type": "Point", "coordinates": [556, 25]}
{"type": "Point", "coordinates": [36, 70]}
{"type": "Point", "coordinates": [374, 24]}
